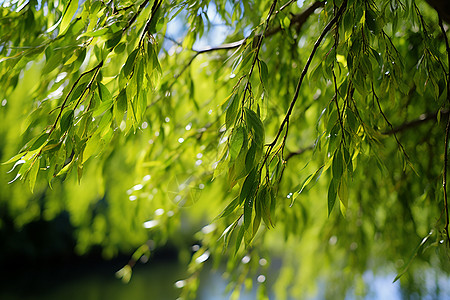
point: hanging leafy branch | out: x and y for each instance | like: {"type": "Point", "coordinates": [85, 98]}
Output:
{"type": "Point", "coordinates": [168, 124]}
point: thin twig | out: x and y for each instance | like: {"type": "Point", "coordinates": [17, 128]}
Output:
{"type": "Point", "coordinates": [389, 123]}
{"type": "Point", "coordinates": [258, 48]}
{"type": "Point", "coordinates": [131, 21]}
{"type": "Point", "coordinates": [298, 19]}
{"type": "Point", "coordinates": [414, 123]}
{"type": "Point", "coordinates": [299, 151]}
{"type": "Point", "coordinates": [444, 180]}
{"type": "Point", "coordinates": [97, 67]}
{"type": "Point", "coordinates": [155, 8]}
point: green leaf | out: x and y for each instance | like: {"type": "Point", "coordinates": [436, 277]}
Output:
{"type": "Point", "coordinates": [239, 238]}
{"type": "Point", "coordinates": [52, 62]}
{"type": "Point", "coordinates": [103, 92]}
{"type": "Point", "coordinates": [338, 165]}
{"type": "Point", "coordinates": [77, 92]}
{"type": "Point", "coordinates": [33, 174]}
{"type": "Point", "coordinates": [264, 73]}
{"type": "Point", "coordinates": [230, 208]}
{"type": "Point", "coordinates": [263, 201]}
{"type": "Point", "coordinates": [371, 22]}
{"type": "Point", "coordinates": [248, 209]}
{"type": "Point", "coordinates": [102, 108]}
{"type": "Point", "coordinates": [39, 141]}
{"type": "Point", "coordinates": [114, 40]}
{"type": "Point", "coordinates": [413, 255]}
{"type": "Point", "coordinates": [343, 194]}
{"type": "Point", "coordinates": [96, 33]}
{"type": "Point", "coordinates": [231, 111]}
{"type": "Point", "coordinates": [250, 157]}
{"type": "Point", "coordinates": [71, 9]}
{"type": "Point", "coordinates": [258, 215]}
{"type": "Point", "coordinates": [236, 142]}
{"type": "Point", "coordinates": [254, 122]}
{"type": "Point", "coordinates": [331, 196]}
{"type": "Point", "coordinates": [66, 120]}
{"type": "Point", "coordinates": [248, 186]}
{"type": "Point", "coordinates": [129, 64]}
{"type": "Point", "coordinates": [14, 158]}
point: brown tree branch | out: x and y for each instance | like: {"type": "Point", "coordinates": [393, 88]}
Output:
{"type": "Point", "coordinates": [414, 123]}
{"type": "Point", "coordinates": [297, 20]}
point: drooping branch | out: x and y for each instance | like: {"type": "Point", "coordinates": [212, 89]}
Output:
{"type": "Point", "coordinates": [299, 152]}
{"type": "Point", "coordinates": [302, 76]}
{"type": "Point", "coordinates": [95, 69]}
{"type": "Point", "coordinates": [447, 129]}
{"type": "Point", "coordinates": [298, 20]}
{"type": "Point", "coordinates": [423, 118]}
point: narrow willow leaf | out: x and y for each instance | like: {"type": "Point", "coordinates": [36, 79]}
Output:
{"type": "Point", "coordinates": [371, 21]}
{"type": "Point", "coordinates": [239, 238]}
{"type": "Point", "coordinates": [67, 120]}
{"type": "Point", "coordinates": [39, 141]}
{"type": "Point", "coordinates": [33, 174]}
{"type": "Point", "coordinates": [230, 208]}
{"type": "Point", "coordinates": [14, 158]}
{"type": "Point", "coordinates": [52, 61]}
{"type": "Point", "coordinates": [91, 147]}
{"type": "Point", "coordinates": [78, 91]}
{"type": "Point", "coordinates": [103, 92]}
{"type": "Point", "coordinates": [331, 196]}
{"type": "Point", "coordinates": [240, 166]}
{"type": "Point", "coordinates": [254, 122]}
{"type": "Point", "coordinates": [114, 40]}
{"type": "Point", "coordinates": [18, 163]}
{"type": "Point", "coordinates": [313, 177]}
{"type": "Point", "coordinates": [248, 186]}
{"type": "Point", "coordinates": [413, 255]}
{"type": "Point", "coordinates": [263, 201]}
{"type": "Point", "coordinates": [337, 165]}
{"type": "Point", "coordinates": [248, 212]}
{"type": "Point", "coordinates": [96, 33]}
{"type": "Point", "coordinates": [258, 214]}
{"type": "Point", "coordinates": [264, 73]}
{"type": "Point", "coordinates": [343, 193]}
{"type": "Point", "coordinates": [231, 111]}
{"type": "Point", "coordinates": [66, 168]}
{"type": "Point", "coordinates": [102, 108]}
{"type": "Point", "coordinates": [129, 64]}
{"type": "Point", "coordinates": [236, 142]}
{"type": "Point", "coordinates": [68, 14]}
{"type": "Point", "coordinates": [250, 157]}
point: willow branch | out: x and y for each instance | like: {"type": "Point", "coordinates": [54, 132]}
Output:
{"type": "Point", "coordinates": [138, 12]}
{"type": "Point", "coordinates": [97, 67]}
{"type": "Point", "coordinates": [297, 19]}
{"type": "Point", "coordinates": [444, 180]}
{"type": "Point", "coordinates": [302, 76]}
{"type": "Point", "coordinates": [423, 118]}
{"type": "Point", "coordinates": [300, 151]}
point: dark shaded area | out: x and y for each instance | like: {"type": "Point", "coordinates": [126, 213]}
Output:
{"type": "Point", "coordinates": [38, 262]}
{"type": "Point", "coordinates": [442, 7]}
{"type": "Point", "coordinates": [37, 243]}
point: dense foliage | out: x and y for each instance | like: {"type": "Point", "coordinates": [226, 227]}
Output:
{"type": "Point", "coordinates": [314, 133]}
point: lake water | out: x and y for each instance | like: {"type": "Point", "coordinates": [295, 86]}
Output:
{"type": "Point", "coordinates": [154, 280]}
